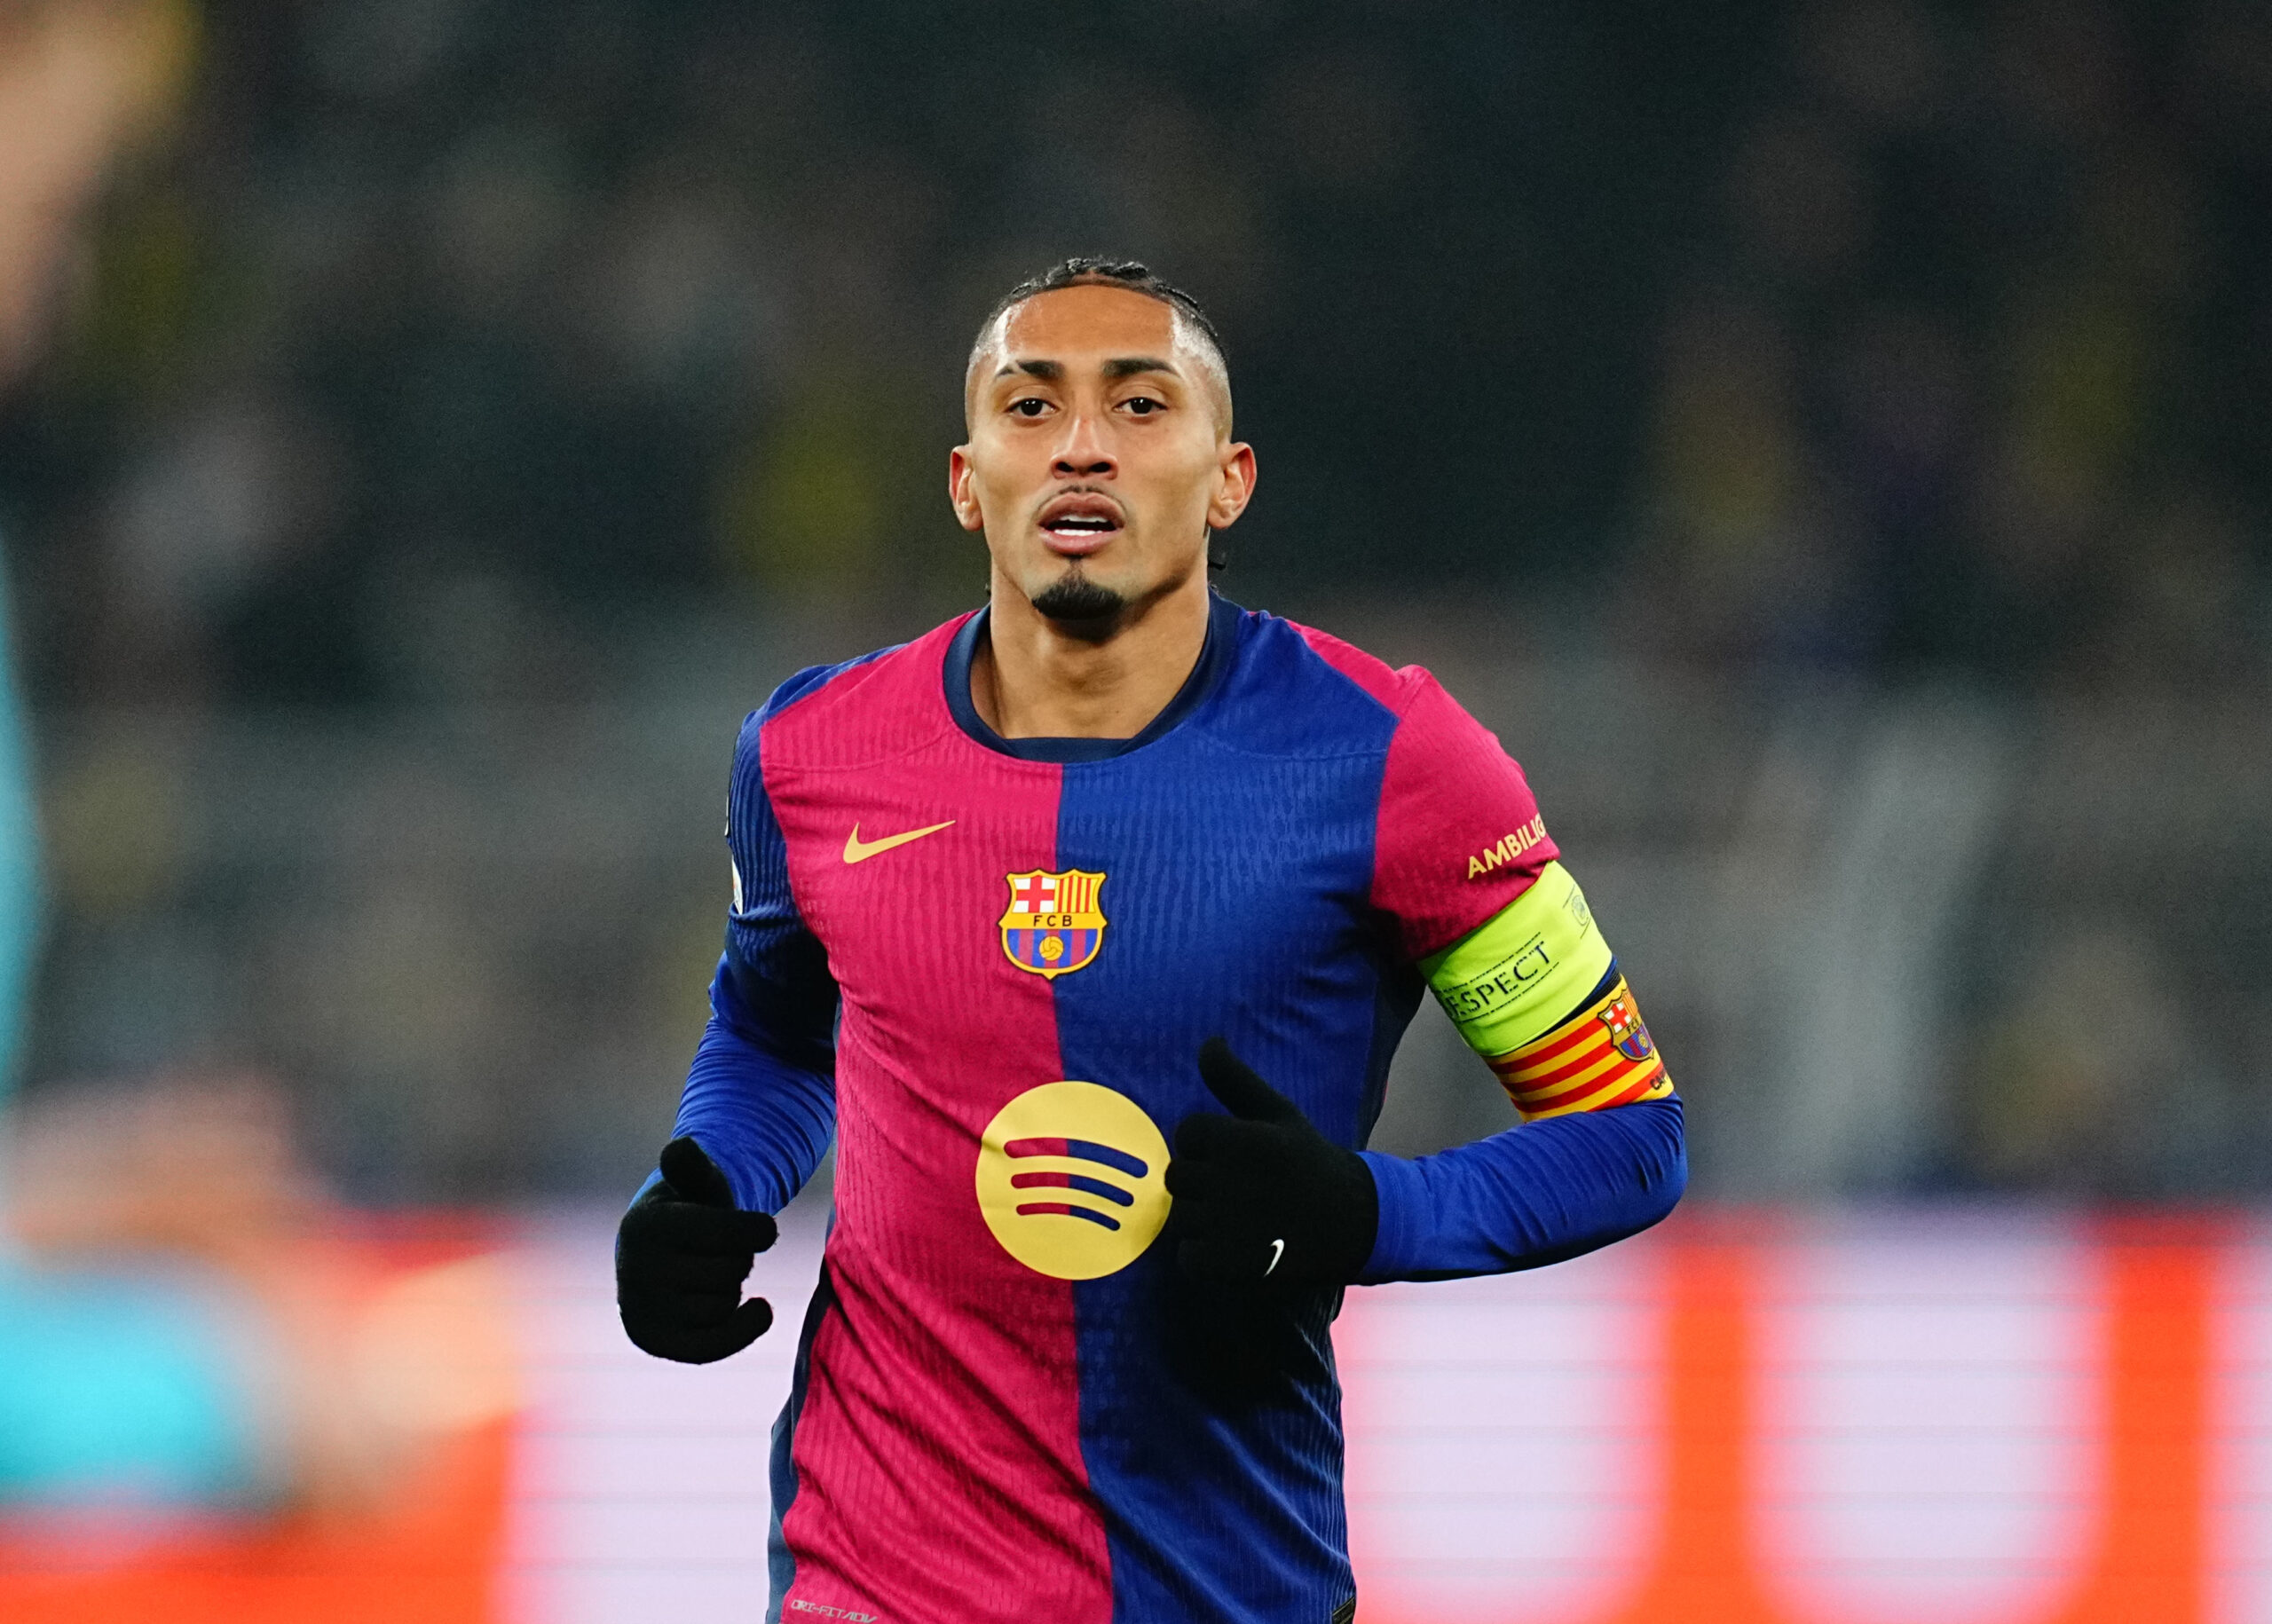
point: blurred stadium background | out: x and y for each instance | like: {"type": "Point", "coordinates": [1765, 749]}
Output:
{"type": "Point", "coordinates": [1830, 443]}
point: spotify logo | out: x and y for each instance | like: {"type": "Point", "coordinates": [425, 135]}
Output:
{"type": "Point", "coordinates": [1072, 1180]}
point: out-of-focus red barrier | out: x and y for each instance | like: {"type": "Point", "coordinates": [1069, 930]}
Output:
{"type": "Point", "coordinates": [1742, 1418]}
{"type": "Point", "coordinates": [430, 1550]}
{"type": "Point", "coordinates": [1712, 1526]}
{"type": "Point", "coordinates": [432, 1557]}
{"type": "Point", "coordinates": [2146, 1558]}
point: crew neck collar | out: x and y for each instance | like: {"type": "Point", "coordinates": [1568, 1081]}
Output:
{"type": "Point", "coordinates": [1214, 659]}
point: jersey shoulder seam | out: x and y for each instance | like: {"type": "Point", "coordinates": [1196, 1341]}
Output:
{"type": "Point", "coordinates": [826, 685]}
{"type": "Point", "coordinates": [813, 681]}
{"type": "Point", "coordinates": [1228, 739]}
{"type": "Point", "coordinates": [1379, 681]}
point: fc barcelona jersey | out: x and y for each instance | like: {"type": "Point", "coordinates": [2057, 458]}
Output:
{"type": "Point", "coordinates": [985, 967]}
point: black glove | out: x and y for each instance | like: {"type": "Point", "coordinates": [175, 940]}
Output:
{"type": "Point", "coordinates": [680, 1256]}
{"type": "Point", "coordinates": [1266, 1196]}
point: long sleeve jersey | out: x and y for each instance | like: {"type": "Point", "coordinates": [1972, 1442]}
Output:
{"type": "Point", "coordinates": [986, 965]}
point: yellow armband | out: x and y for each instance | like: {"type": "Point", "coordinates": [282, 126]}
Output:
{"type": "Point", "coordinates": [1519, 989]}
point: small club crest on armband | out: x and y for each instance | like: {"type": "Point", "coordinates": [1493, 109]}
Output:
{"type": "Point", "coordinates": [1053, 925]}
{"type": "Point", "coordinates": [1625, 1030]}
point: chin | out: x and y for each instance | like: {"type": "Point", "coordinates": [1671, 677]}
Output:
{"type": "Point", "coordinates": [1076, 598]}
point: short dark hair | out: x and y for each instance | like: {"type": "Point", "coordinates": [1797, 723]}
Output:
{"type": "Point", "coordinates": [1095, 270]}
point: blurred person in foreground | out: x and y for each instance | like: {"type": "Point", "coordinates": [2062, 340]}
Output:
{"type": "Point", "coordinates": [173, 1330]}
{"type": "Point", "coordinates": [1110, 864]}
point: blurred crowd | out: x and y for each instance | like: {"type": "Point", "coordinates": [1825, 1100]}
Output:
{"type": "Point", "coordinates": [1973, 371]}
{"type": "Point", "coordinates": [183, 1320]}
{"type": "Point", "coordinates": [451, 339]}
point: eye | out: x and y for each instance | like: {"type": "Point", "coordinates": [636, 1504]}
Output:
{"type": "Point", "coordinates": [1028, 406]}
{"type": "Point", "coordinates": [1143, 405]}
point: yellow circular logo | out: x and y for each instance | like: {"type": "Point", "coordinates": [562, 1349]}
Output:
{"type": "Point", "coordinates": [1072, 1180]}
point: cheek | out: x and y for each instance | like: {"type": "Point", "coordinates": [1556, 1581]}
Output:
{"type": "Point", "coordinates": [998, 480]}
{"type": "Point", "coordinates": [1179, 488]}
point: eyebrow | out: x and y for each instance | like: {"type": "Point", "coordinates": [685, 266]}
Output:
{"type": "Point", "coordinates": [1122, 366]}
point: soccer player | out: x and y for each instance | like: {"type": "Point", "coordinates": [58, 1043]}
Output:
{"type": "Point", "coordinates": [1087, 922]}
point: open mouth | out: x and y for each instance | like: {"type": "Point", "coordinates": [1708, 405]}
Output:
{"type": "Point", "coordinates": [1080, 522]}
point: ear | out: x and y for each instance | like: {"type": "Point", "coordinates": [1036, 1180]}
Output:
{"type": "Point", "coordinates": [1233, 485]}
{"type": "Point", "coordinates": [962, 489]}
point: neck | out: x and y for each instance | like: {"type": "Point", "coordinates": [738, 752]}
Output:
{"type": "Point", "coordinates": [1035, 678]}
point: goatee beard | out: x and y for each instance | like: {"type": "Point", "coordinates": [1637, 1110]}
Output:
{"type": "Point", "coordinates": [1080, 606]}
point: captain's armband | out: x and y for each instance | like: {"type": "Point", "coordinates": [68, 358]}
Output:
{"type": "Point", "coordinates": [1535, 992]}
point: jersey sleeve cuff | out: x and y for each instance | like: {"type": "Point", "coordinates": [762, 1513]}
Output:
{"type": "Point", "coordinates": [1402, 1189]}
{"type": "Point", "coordinates": [735, 1180]}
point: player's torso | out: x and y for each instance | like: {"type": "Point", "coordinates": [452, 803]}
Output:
{"type": "Point", "coordinates": [1029, 955]}
{"type": "Point", "coordinates": [998, 926]}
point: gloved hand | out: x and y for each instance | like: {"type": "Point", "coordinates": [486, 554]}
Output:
{"type": "Point", "coordinates": [681, 1253]}
{"type": "Point", "coordinates": [1261, 1195]}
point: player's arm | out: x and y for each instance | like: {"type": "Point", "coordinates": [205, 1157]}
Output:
{"type": "Point", "coordinates": [758, 1110]}
{"type": "Point", "coordinates": [1601, 1155]}
{"type": "Point", "coordinates": [1504, 937]}
{"type": "Point", "coordinates": [761, 1095]}
{"type": "Point", "coordinates": [1262, 1195]}
{"type": "Point", "coordinates": [1536, 992]}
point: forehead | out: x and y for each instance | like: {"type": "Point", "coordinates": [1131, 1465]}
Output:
{"type": "Point", "coordinates": [1072, 323]}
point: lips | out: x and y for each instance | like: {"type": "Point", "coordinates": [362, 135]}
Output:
{"type": "Point", "coordinates": [1080, 522]}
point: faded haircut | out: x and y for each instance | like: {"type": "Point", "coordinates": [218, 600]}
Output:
{"type": "Point", "coordinates": [1131, 276]}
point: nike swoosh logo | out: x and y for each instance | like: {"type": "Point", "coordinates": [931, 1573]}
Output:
{"type": "Point", "coordinates": [857, 850]}
{"type": "Point", "coordinates": [1277, 1250]}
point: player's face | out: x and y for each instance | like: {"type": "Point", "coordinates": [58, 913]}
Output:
{"type": "Point", "coordinates": [1099, 456]}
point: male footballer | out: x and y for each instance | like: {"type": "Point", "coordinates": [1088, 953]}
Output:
{"type": "Point", "coordinates": [1087, 924]}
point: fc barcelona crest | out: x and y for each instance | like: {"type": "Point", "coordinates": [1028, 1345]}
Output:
{"type": "Point", "coordinates": [1052, 924]}
{"type": "Point", "coordinates": [1625, 1030]}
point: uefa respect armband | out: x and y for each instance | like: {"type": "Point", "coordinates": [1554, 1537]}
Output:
{"type": "Point", "coordinates": [1534, 992]}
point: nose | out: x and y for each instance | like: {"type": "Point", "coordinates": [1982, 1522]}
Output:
{"type": "Point", "coordinates": [1081, 454]}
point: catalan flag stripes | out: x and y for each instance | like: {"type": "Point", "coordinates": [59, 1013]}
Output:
{"type": "Point", "coordinates": [1601, 1057]}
